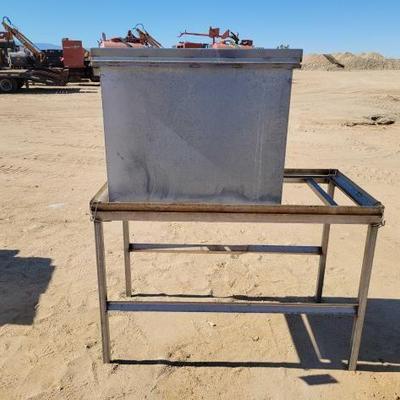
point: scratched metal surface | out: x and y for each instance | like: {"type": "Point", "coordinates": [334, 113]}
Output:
{"type": "Point", "coordinates": [202, 133]}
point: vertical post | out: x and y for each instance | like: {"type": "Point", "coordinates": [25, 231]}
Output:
{"type": "Point", "coordinates": [363, 294]}
{"type": "Point", "coordinates": [102, 288]}
{"type": "Point", "coordinates": [324, 245]}
{"type": "Point", "coordinates": [127, 259]}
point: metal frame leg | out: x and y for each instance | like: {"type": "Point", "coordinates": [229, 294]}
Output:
{"type": "Point", "coordinates": [324, 245]}
{"type": "Point", "coordinates": [102, 287]}
{"type": "Point", "coordinates": [363, 294]}
{"type": "Point", "coordinates": [127, 259]}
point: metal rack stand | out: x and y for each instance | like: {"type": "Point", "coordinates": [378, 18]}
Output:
{"type": "Point", "coordinates": [366, 211]}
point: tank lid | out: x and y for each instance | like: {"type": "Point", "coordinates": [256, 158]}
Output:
{"type": "Point", "coordinates": [286, 58]}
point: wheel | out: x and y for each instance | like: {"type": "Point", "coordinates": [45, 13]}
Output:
{"type": "Point", "coordinates": [94, 78]}
{"type": "Point", "coordinates": [8, 85]}
{"type": "Point", "coordinates": [20, 83]}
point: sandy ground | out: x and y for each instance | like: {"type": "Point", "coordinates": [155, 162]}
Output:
{"type": "Point", "coordinates": [52, 163]}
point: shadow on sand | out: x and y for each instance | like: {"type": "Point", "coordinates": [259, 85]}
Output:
{"type": "Point", "coordinates": [22, 281]}
{"type": "Point", "coordinates": [321, 342]}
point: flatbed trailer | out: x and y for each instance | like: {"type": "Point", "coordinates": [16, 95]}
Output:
{"type": "Point", "coordinates": [12, 80]}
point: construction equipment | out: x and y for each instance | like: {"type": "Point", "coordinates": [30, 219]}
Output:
{"type": "Point", "coordinates": [37, 54]}
{"type": "Point", "coordinates": [24, 63]}
{"type": "Point", "coordinates": [143, 39]}
{"type": "Point", "coordinates": [20, 65]}
{"type": "Point", "coordinates": [146, 38]}
{"type": "Point", "coordinates": [227, 40]}
{"type": "Point", "coordinates": [76, 59]}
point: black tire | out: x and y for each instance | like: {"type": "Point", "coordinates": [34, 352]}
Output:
{"type": "Point", "coordinates": [20, 83]}
{"type": "Point", "coordinates": [8, 85]}
{"type": "Point", "coordinates": [94, 78]}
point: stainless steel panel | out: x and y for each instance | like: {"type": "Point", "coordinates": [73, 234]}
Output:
{"type": "Point", "coordinates": [195, 126]}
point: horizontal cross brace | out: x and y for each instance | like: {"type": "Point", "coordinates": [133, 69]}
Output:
{"type": "Point", "coordinates": [222, 248]}
{"type": "Point", "coordinates": [219, 307]}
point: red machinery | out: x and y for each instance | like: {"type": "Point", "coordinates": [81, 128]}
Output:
{"type": "Point", "coordinates": [142, 39]}
{"type": "Point", "coordinates": [227, 40]}
{"type": "Point", "coordinates": [76, 59]}
{"type": "Point", "coordinates": [73, 53]}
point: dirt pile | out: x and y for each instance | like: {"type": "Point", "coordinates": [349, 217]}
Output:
{"type": "Point", "coordinates": [318, 62]}
{"type": "Point", "coordinates": [349, 61]}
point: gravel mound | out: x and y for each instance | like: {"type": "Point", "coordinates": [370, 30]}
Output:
{"type": "Point", "coordinates": [349, 61]}
{"type": "Point", "coordinates": [318, 62]}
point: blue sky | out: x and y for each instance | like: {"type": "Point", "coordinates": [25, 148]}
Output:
{"type": "Point", "coordinates": [315, 26]}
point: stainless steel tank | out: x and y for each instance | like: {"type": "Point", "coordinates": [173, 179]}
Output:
{"type": "Point", "coordinates": [196, 125]}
